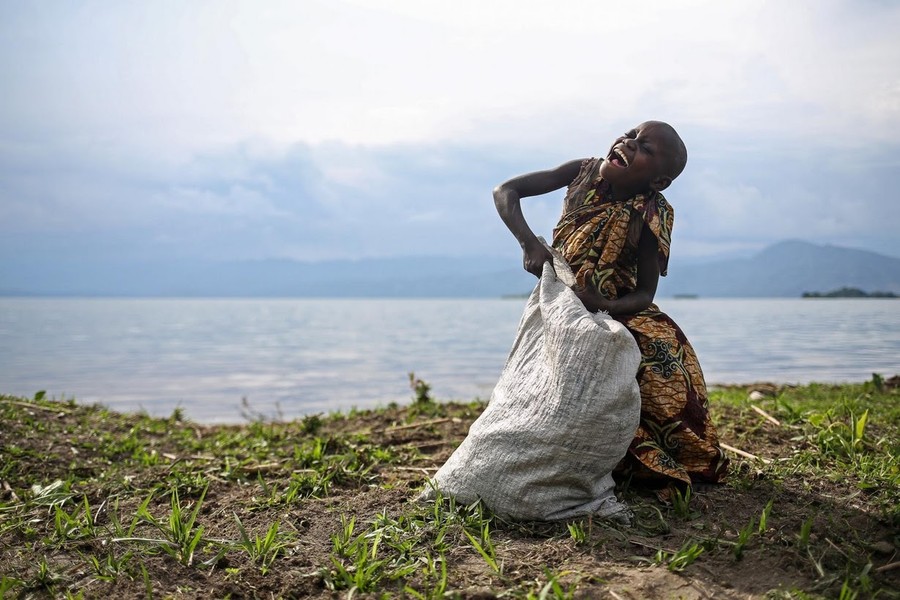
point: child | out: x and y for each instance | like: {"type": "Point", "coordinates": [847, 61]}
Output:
{"type": "Point", "coordinates": [614, 232]}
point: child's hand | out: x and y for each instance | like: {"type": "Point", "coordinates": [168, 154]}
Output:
{"type": "Point", "coordinates": [591, 299]}
{"type": "Point", "coordinates": [534, 257]}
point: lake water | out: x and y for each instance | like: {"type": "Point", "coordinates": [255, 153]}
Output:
{"type": "Point", "coordinates": [291, 357]}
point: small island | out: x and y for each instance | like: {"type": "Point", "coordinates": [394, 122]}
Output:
{"type": "Point", "coordinates": [849, 292]}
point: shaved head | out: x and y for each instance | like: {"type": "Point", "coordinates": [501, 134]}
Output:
{"type": "Point", "coordinates": [676, 150]}
{"type": "Point", "coordinates": [647, 157]}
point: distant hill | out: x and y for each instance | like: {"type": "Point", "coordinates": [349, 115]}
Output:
{"type": "Point", "coordinates": [784, 269]}
{"type": "Point", "coordinates": [789, 269]}
{"type": "Point", "coordinates": [427, 277]}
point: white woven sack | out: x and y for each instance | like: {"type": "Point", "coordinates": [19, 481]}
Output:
{"type": "Point", "coordinates": [561, 417]}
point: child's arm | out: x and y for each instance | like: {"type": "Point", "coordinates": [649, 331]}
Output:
{"type": "Point", "coordinates": [506, 199]}
{"type": "Point", "coordinates": [647, 280]}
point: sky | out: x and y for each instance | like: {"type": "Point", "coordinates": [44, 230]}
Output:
{"type": "Point", "coordinates": [335, 129]}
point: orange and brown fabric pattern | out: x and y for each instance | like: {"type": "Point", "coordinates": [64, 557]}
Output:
{"type": "Point", "coordinates": [676, 440]}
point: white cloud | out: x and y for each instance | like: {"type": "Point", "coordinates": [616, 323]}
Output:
{"type": "Point", "coordinates": [302, 124]}
{"type": "Point", "coordinates": [237, 201]}
{"type": "Point", "coordinates": [196, 74]}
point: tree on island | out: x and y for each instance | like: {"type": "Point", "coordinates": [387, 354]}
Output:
{"type": "Point", "coordinates": [849, 292]}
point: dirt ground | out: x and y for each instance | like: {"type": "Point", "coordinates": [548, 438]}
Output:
{"type": "Point", "coordinates": [113, 463]}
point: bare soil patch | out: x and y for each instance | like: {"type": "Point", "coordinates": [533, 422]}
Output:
{"type": "Point", "coordinates": [90, 500]}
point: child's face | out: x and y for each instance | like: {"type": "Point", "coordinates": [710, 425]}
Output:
{"type": "Point", "coordinates": [640, 160]}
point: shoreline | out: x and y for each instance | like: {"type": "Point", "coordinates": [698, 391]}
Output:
{"type": "Point", "coordinates": [246, 412]}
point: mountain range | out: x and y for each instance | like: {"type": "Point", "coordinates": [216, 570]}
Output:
{"type": "Point", "coordinates": [789, 269]}
{"type": "Point", "coordinates": [785, 269]}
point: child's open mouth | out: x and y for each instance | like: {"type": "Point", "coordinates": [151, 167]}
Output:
{"type": "Point", "coordinates": [618, 158]}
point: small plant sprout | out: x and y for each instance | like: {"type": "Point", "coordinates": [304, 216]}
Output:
{"type": "Point", "coordinates": [847, 592]}
{"type": "Point", "coordinates": [45, 577]}
{"type": "Point", "coordinates": [311, 424]}
{"type": "Point", "coordinates": [177, 414]}
{"type": "Point", "coordinates": [363, 572]}
{"type": "Point", "coordinates": [553, 588]}
{"type": "Point", "coordinates": [688, 553]}
{"type": "Point", "coordinates": [743, 538]}
{"type": "Point", "coordinates": [839, 439]}
{"type": "Point", "coordinates": [485, 547]}
{"type": "Point", "coordinates": [262, 550]}
{"type": "Point", "coordinates": [341, 542]}
{"type": "Point", "coordinates": [54, 494]}
{"type": "Point", "coordinates": [77, 525]}
{"type": "Point", "coordinates": [420, 389]}
{"type": "Point", "coordinates": [680, 559]}
{"type": "Point", "coordinates": [577, 532]}
{"type": "Point", "coordinates": [109, 568]}
{"type": "Point", "coordinates": [859, 430]}
{"type": "Point", "coordinates": [148, 584]}
{"type": "Point", "coordinates": [182, 533]}
{"type": "Point", "coordinates": [764, 517]}
{"type": "Point", "coordinates": [805, 531]}
{"type": "Point", "coordinates": [681, 503]}
{"type": "Point", "coordinates": [7, 584]}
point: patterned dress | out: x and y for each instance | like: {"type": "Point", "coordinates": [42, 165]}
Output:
{"type": "Point", "coordinates": [675, 441]}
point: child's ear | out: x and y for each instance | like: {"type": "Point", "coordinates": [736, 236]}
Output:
{"type": "Point", "coordinates": [660, 183]}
